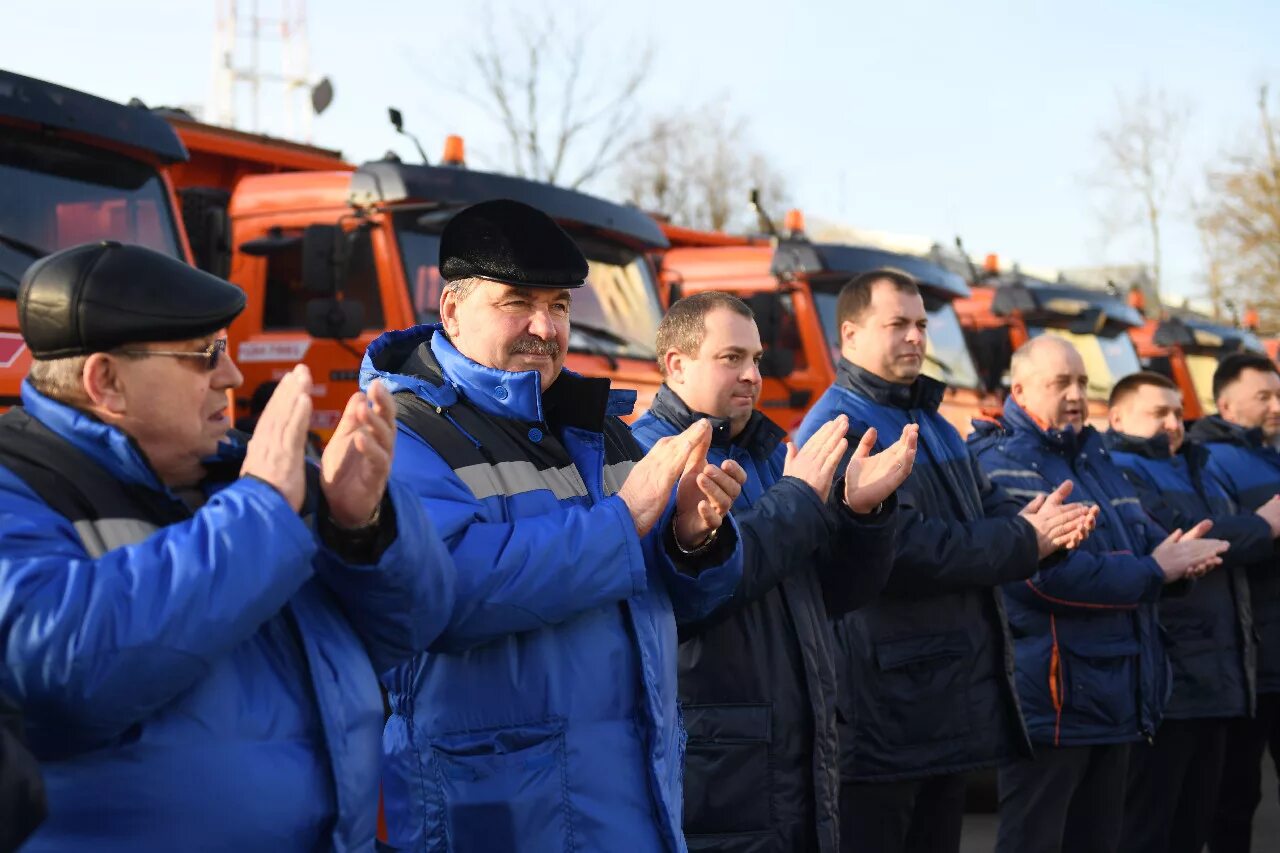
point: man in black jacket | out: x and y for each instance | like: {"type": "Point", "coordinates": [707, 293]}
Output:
{"type": "Point", "coordinates": [927, 671]}
{"type": "Point", "coordinates": [757, 679]}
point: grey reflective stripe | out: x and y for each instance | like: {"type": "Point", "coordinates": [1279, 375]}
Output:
{"type": "Point", "coordinates": [513, 478]}
{"type": "Point", "coordinates": [1013, 472]}
{"type": "Point", "coordinates": [108, 534]}
{"type": "Point", "coordinates": [1122, 501]}
{"type": "Point", "coordinates": [615, 475]}
{"type": "Point", "coordinates": [1025, 493]}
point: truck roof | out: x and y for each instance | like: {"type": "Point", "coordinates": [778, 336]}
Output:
{"type": "Point", "coordinates": [52, 106]}
{"type": "Point", "coordinates": [389, 182]}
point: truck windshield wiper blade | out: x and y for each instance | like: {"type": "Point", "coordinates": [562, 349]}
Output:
{"type": "Point", "coordinates": [599, 333]}
{"type": "Point", "coordinates": [34, 252]}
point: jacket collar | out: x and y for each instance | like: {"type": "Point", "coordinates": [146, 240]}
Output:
{"type": "Point", "coordinates": [1155, 447]}
{"type": "Point", "coordinates": [760, 437]}
{"type": "Point", "coordinates": [924, 393]}
{"type": "Point", "coordinates": [1068, 442]}
{"type": "Point", "coordinates": [1214, 428]}
{"type": "Point", "coordinates": [423, 360]}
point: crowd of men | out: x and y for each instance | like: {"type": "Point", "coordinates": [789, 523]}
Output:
{"type": "Point", "coordinates": [689, 633]}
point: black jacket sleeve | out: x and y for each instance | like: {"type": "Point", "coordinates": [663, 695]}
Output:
{"type": "Point", "coordinates": [855, 561]}
{"type": "Point", "coordinates": [937, 555]}
{"type": "Point", "coordinates": [22, 801]}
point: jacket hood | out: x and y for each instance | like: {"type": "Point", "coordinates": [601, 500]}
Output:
{"type": "Point", "coordinates": [924, 393]}
{"type": "Point", "coordinates": [1155, 447]}
{"type": "Point", "coordinates": [1212, 429]}
{"type": "Point", "coordinates": [1016, 424]}
{"type": "Point", "coordinates": [760, 437]}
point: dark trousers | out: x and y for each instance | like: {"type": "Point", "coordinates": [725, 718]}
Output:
{"type": "Point", "coordinates": [1241, 788]}
{"type": "Point", "coordinates": [1068, 799]}
{"type": "Point", "coordinates": [1173, 787]}
{"type": "Point", "coordinates": [920, 816]}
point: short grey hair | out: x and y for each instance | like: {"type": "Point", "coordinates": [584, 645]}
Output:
{"type": "Point", "coordinates": [461, 287]}
{"type": "Point", "coordinates": [1020, 363]}
{"type": "Point", "coordinates": [60, 379]}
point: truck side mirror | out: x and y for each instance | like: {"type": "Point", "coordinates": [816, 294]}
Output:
{"type": "Point", "coordinates": [335, 318]}
{"type": "Point", "coordinates": [321, 261]}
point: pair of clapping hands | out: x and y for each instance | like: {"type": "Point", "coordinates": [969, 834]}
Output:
{"type": "Point", "coordinates": [705, 493]}
{"type": "Point", "coordinates": [355, 464]}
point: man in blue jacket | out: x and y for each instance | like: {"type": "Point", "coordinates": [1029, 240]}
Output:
{"type": "Point", "coordinates": [1243, 461]}
{"type": "Point", "coordinates": [757, 680]}
{"type": "Point", "coordinates": [926, 670]}
{"type": "Point", "coordinates": [187, 625]}
{"type": "Point", "coordinates": [1091, 671]}
{"type": "Point", "coordinates": [1174, 781]}
{"type": "Point", "coordinates": [544, 717]}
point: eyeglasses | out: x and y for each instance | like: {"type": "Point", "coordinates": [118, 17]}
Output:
{"type": "Point", "coordinates": [210, 354]}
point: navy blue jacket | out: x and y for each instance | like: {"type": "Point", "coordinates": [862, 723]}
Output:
{"type": "Point", "coordinates": [927, 668]}
{"type": "Point", "coordinates": [1248, 470]}
{"type": "Point", "coordinates": [1209, 629]}
{"type": "Point", "coordinates": [758, 679]}
{"type": "Point", "coordinates": [1091, 666]}
{"type": "Point", "coordinates": [544, 717]}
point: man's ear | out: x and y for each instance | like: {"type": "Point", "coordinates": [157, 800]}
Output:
{"type": "Point", "coordinates": [674, 362]}
{"type": "Point", "coordinates": [103, 384]}
{"type": "Point", "coordinates": [1113, 418]}
{"type": "Point", "coordinates": [847, 330]}
{"type": "Point", "coordinates": [1017, 391]}
{"type": "Point", "coordinates": [449, 311]}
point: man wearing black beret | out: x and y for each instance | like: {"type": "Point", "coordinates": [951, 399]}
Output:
{"type": "Point", "coordinates": [544, 716]}
{"type": "Point", "coordinates": [192, 627]}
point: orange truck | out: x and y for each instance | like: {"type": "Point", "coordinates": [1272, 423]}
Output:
{"type": "Point", "coordinates": [331, 259]}
{"type": "Point", "coordinates": [1187, 347]}
{"type": "Point", "coordinates": [1005, 310]}
{"type": "Point", "coordinates": [792, 284]}
{"type": "Point", "coordinates": [75, 168]}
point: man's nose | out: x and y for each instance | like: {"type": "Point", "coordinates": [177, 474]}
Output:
{"type": "Point", "coordinates": [915, 335]}
{"type": "Point", "coordinates": [541, 325]}
{"type": "Point", "coordinates": [1172, 423]}
{"type": "Point", "coordinates": [226, 374]}
{"type": "Point", "coordinates": [750, 372]}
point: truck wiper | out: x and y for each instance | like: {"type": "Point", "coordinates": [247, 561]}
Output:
{"type": "Point", "coordinates": [33, 252]}
{"type": "Point", "coordinates": [939, 363]}
{"type": "Point", "coordinates": [600, 333]}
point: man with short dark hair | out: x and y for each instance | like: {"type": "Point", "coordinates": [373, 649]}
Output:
{"type": "Point", "coordinates": [1091, 670]}
{"type": "Point", "coordinates": [926, 669]}
{"type": "Point", "coordinates": [544, 717]}
{"type": "Point", "coordinates": [1174, 780]}
{"type": "Point", "coordinates": [192, 625]}
{"type": "Point", "coordinates": [757, 679]}
{"type": "Point", "coordinates": [1245, 463]}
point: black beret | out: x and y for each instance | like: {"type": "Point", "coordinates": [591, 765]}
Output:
{"type": "Point", "coordinates": [510, 242]}
{"type": "Point", "coordinates": [100, 296]}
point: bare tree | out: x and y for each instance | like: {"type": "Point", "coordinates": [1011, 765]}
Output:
{"type": "Point", "coordinates": [698, 167]}
{"type": "Point", "coordinates": [567, 107]}
{"type": "Point", "coordinates": [1140, 152]}
{"type": "Point", "coordinates": [1242, 218]}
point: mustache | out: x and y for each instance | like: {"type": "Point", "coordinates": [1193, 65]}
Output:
{"type": "Point", "coordinates": [535, 346]}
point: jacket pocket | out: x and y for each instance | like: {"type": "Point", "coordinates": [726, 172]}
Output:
{"type": "Point", "coordinates": [728, 777]}
{"type": "Point", "coordinates": [923, 688]}
{"type": "Point", "coordinates": [505, 789]}
{"type": "Point", "coordinates": [1100, 679]}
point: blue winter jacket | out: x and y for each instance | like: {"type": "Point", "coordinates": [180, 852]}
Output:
{"type": "Point", "coordinates": [205, 685]}
{"type": "Point", "coordinates": [544, 717]}
{"type": "Point", "coordinates": [926, 675]}
{"type": "Point", "coordinates": [1209, 629]}
{"type": "Point", "coordinates": [1091, 666]}
{"type": "Point", "coordinates": [758, 679]}
{"type": "Point", "coordinates": [1248, 470]}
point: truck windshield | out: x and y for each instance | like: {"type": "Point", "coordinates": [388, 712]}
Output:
{"type": "Point", "coordinates": [616, 314]}
{"type": "Point", "coordinates": [1108, 358]}
{"type": "Point", "coordinates": [947, 357]}
{"type": "Point", "coordinates": [55, 194]}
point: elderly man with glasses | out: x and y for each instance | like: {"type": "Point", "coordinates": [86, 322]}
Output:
{"type": "Point", "coordinates": [191, 625]}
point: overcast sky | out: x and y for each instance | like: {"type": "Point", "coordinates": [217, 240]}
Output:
{"type": "Point", "coordinates": [935, 118]}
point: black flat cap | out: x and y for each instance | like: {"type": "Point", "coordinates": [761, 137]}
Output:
{"type": "Point", "coordinates": [510, 242]}
{"type": "Point", "coordinates": [99, 296]}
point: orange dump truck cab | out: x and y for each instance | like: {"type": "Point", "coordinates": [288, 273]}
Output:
{"type": "Point", "coordinates": [792, 285]}
{"type": "Point", "coordinates": [1186, 348]}
{"type": "Point", "coordinates": [75, 168]}
{"type": "Point", "coordinates": [1006, 311]}
{"type": "Point", "coordinates": [330, 260]}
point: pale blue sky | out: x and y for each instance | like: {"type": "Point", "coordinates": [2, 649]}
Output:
{"type": "Point", "coordinates": [929, 118]}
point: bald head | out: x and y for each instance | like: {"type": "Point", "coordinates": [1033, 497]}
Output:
{"type": "Point", "coordinates": [1049, 382]}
